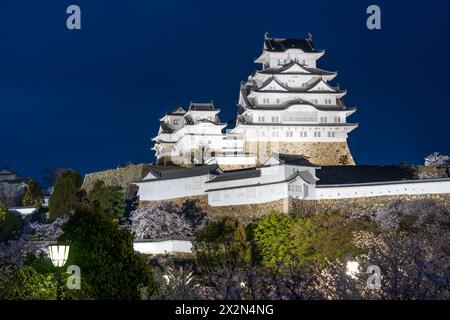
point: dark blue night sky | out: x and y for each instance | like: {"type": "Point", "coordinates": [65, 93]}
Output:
{"type": "Point", "coordinates": [91, 99]}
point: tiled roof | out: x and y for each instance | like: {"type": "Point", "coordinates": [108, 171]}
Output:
{"type": "Point", "coordinates": [237, 174]}
{"type": "Point", "coordinates": [313, 71]}
{"type": "Point", "coordinates": [296, 160]}
{"type": "Point", "coordinates": [209, 106]}
{"type": "Point", "coordinates": [177, 173]}
{"type": "Point", "coordinates": [281, 45]}
{"type": "Point", "coordinates": [363, 174]}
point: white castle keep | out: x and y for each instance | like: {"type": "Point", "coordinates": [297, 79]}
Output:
{"type": "Point", "coordinates": [286, 107]}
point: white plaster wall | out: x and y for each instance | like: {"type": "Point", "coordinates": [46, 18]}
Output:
{"type": "Point", "coordinates": [285, 96]}
{"type": "Point", "coordinates": [23, 210]}
{"type": "Point", "coordinates": [248, 195]}
{"type": "Point", "coordinates": [163, 247]}
{"type": "Point", "coordinates": [373, 190]}
{"type": "Point", "coordinates": [172, 188]}
{"type": "Point", "coordinates": [264, 133]}
{"type": "Point", "coordinates": [268, 175]}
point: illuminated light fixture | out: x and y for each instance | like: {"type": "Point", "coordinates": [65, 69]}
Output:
{"type": "Point", "coordinates": [352, 269]}
{"type": "Point", "coordinates": [58, 254]}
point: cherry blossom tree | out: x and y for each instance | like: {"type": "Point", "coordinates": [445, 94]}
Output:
{"type": "Point", "coordinates": [164, 219]}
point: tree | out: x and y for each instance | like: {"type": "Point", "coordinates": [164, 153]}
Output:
{"type": "Point", "coordinates": [222, 243]}
{"type": "Point", "coordinates": [104, 251]}
{"type": "Point", "coordinates": [10, 224]}
{"type": "Point", "coordinates": [272, 240]}
{"type": "Point", "coordinates": [326, 237]}
{"type": "Point", "coordinates": [436, 160]}
{"type": "Point", "coordinates": [33, 195]}
{"type": "Point", "coordinates": [66, 195]}
{"type": "Point", "coordinates": [38, 231]}
{"type": "Point", "coordinates": [110, 199]}
{"type": "Point", "coordinates": [163, 219]}
{"type": "Point", "coordinates": [51, 175]}
{"type": "Point", "coordinates": [3, 211]}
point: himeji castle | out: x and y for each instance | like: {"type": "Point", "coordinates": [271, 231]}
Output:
{"type": "Point", "coordinates": [287, 144]}
{"type": "Point", "coordinates": [287, 107]}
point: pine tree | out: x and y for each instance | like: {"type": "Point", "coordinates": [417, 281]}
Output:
{"type": "Point", "coordinates": [110, 199]}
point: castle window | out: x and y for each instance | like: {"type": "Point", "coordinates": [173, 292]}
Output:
{"type": "Point", "coordinates": [317, 134]}
{"type": "Point", "coordinates": [337, 119]}
{"type": "Point", "coordinates": [323, 119]}
{"type": "Point", "coordinates": [175, 122]}
{"type": "Point", "coordinates": [261, 119]}
{"type": "Point", "coordinates": [266, 100]}
{"type": "Point", "coordinates": [275, 119]}
{"type": "Point", "coordinates": [275, 133]}
{"type": "Point", "coordinates": [314, 101]}
{"type": "Point", "coordinates": [331, 134]}
{"type": "Point", "coordinates": [303, 134]}
{"type": "Point", "coordinates": [327, 101]}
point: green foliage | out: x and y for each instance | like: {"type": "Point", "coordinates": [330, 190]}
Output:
{"type": "Point", "coordinates": [3, 211]}
{"type": "Point", "coordinates": [110, 199]}
{"type": "Point", "coordinates": [326, 236]}
{"type": "Point", "coordinates": [10, 224]}
{"type": "Point", "coordinates": [283, 241]}
{"type": "Point", "coordinates": [41, 263]}
{"type": "Point", "coordinates": [66, 195]}
{"type": "Point", "coordinates": [222, 243]}
{"type": "Point", "coordinates": [104, 252]}
{"type": "Point", "coordinates": [272, 240]}
{"type": "Point", "coordinates": [26, 283]}
{"type": "Point", "coordinates": [33, 195]}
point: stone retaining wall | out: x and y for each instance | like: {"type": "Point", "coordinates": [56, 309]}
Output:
{"type": "Point", "coordinates": [353, 206]}
{"type": "Point", "coordinates": [244, 213]}
{"type": "Point", "coordinates": [359, 205]}
{"type": "Point", "coordinates": [321, 153]}
{"type": "Point", "coordinates": [122, 177]}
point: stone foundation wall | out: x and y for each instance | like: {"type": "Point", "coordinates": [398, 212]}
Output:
{"type": "Point", "coordinates": [321, 153]}
{"type": "Point", "coordinates": [116, 177]}
{"type": "Point", "coordinates": [356, 206]}
{"type": "Point", "coordinates": [244, 213]}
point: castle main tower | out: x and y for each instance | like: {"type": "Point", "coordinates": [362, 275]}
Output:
{"type": "Point", "coordinates": [289, 107]}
